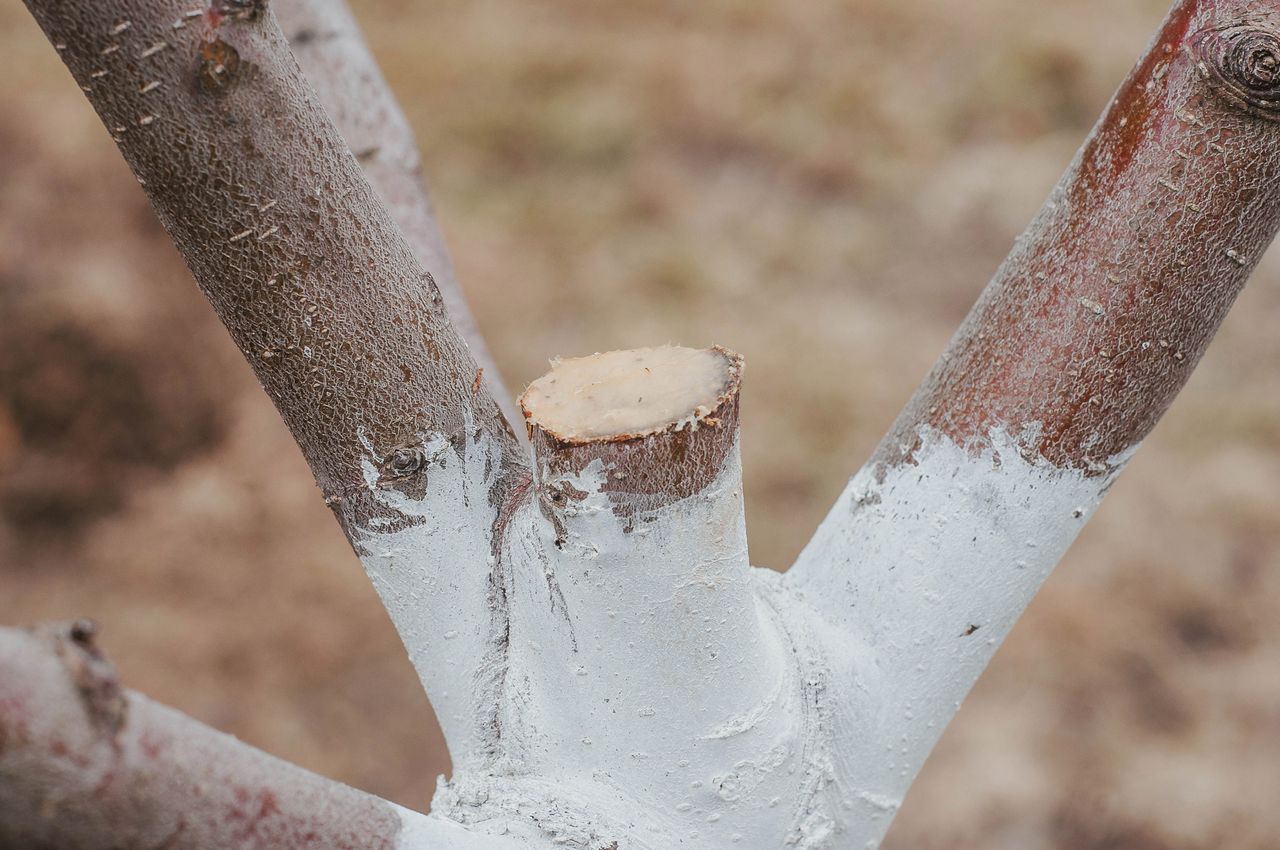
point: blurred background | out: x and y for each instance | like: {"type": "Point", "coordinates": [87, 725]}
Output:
{"type": "Point", "coordinates": [823, 185]}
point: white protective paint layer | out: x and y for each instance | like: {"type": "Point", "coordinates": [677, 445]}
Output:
{"type": "Point", "coordinates": [428, 832]}
{"type": "Point", "coordinates": [654, 691]}
{"type": "Point", "coordinates": [928, 567]}
{"type": "Point", "coordinates": [433, 579]}
{"type": "Point", "coordinates": [652, 664]}
{"type": "Point", "coordinates": [660, 692]}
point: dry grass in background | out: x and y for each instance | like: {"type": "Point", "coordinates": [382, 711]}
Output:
{"type": "Point", "coordinates": [824, 185]}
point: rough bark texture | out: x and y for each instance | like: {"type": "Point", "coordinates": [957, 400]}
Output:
{"type": "Point", "coordinates": [609, 671]}
{"type": "Point", "coordinates": [1073, 352]}
{"type": "Point", "coordinates": [332, 53]}
{"type": "Point", "coordinates": [87, 765]}
{"type": "Point", "coordinates": [323, 295]}
{"type": "Point", "coordinates": [1107, 302]}
{"type": "Point", "coordinates": [284, 234]}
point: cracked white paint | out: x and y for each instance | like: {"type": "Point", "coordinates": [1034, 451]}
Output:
{"type": "Point", "coordinates": [432, 576]}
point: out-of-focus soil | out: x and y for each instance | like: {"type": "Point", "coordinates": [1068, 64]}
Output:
{"type": "Point", "coordinates": [823, 185]}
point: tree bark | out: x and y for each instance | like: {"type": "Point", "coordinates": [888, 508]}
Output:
{"type": "Point", "coordinates": [608, 670]}
{"type": "Point", "coordinates": [1074, 351]}
{"type": "Point", "coordinates": [282, 231]}
{"type": "Point", "coordinates": [333, 55]}
{"type": "Point", "coordinates": [1107, 302]}
{"type": "Point", "coordinates": [86, 764]}
{"type": "Point", "coordinates": [321, 292]}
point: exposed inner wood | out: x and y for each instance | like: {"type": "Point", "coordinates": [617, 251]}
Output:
{"type": "Point", "coordinates": [627, 393]}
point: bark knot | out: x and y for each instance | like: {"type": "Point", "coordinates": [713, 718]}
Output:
{"type": "Point", "coordinates": [1242, 63]}
{"type": "Point", "coordinates": [409, 459]}
{"type": "Point", "coordinates": [93, 675]}
{"type": "Point", "coordinates": [219, 67]}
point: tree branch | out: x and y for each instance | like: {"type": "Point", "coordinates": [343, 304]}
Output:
{"type": "Point", "coordinates": [86, 764]}
{"type": "Point", "coordinates": [322, 294]}
{"type": "Point", "coordinates": [638, 468]}
{"type": "Point", "coordinates": [327, 42]}
{"type": "Point", "coordinates": [1071, 355]}
{"type": "Point", "coordinates": [603, 599]}
{"type": "Point", "coordinates": [284, 234]}
{"type": "Point", "coordinates": [652, 694]}
{"type": "Point", "coordinates": [1106, 304]}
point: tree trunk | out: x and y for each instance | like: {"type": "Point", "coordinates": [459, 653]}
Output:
{"type": "Point", "coordinates": [608, 669]}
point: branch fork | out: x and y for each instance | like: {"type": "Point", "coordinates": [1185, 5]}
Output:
{"type": "Point", "coordinates": [609, 670]}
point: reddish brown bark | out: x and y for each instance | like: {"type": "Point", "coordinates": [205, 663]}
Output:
{"type": "Point", "coordinates": [284, 234]}
{"type": "Point", "coordinates": [1096, 319]}
{"type": "Point", "coordinates": [85, 764]}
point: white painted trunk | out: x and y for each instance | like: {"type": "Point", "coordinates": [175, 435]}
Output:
{"type": "Point", "coordinates": [647, 688]}
{"type": "Point", "coordinates": [609, 670]}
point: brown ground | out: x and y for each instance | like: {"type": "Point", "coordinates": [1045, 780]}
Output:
{"type": "Point", "coordinates": [823, 185]}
